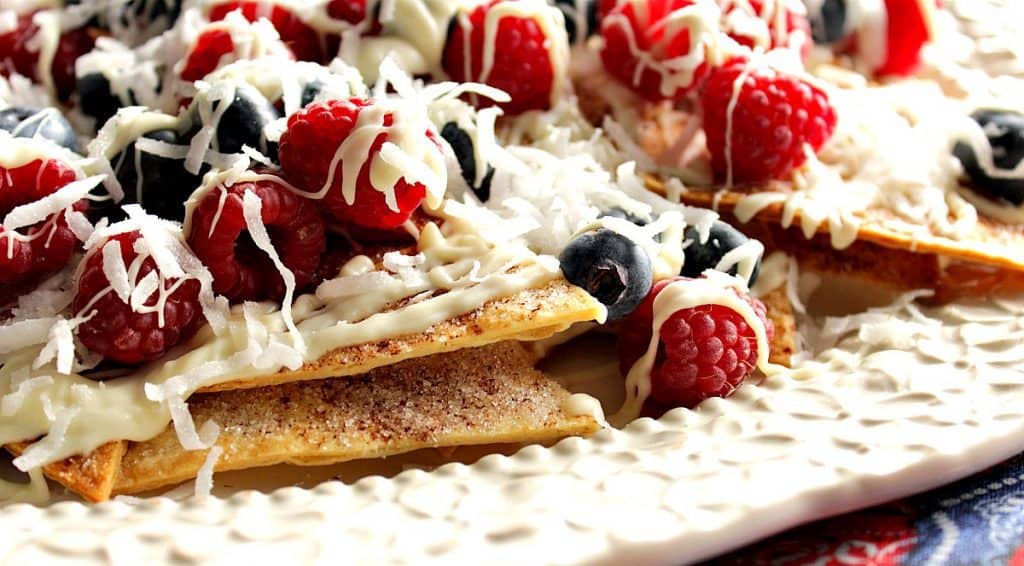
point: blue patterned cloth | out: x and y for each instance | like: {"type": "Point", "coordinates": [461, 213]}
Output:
{"type": "Point", "coordinates": [979, 520]}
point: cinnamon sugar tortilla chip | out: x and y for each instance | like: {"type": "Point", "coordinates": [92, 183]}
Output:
{"type": "Point", "coordinates": [91, 476]}
{"type": "Point", "coordinates": [531, 314]}
{"type": "Point", "coordinates": [880, 254]}
{"type": "Point", "coordinates": [475, 396]}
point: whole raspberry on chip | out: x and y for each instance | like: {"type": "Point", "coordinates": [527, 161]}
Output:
{"type": "Point", "coordinates": [762, 132]}
{"type": "Point", "coordinates": [528, 44]}
{"type": "Point", "coordinates": [890, 42]}
{"type": "Point", "coordinates": [220, 237]}
{"type": "Point", "coordinates": [316, 155]}
{"type": "Point", "coordinates": [704, 351]}
{"type": "Point", "coordinates": [299, 36]}
{"type": "Point", "coordinates": [768, 24]}
{"type": "Point", "coordinates": [21, 48]}
{"type": "Point", "coordinates": [47, 245]}
{"type": "Point", "coordinates": [125, 324]}
{"type": "Point", "coordinates": [650, 48]}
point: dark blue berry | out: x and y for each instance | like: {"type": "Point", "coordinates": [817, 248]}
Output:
{"type": "Point", "coordinates": [701, 256]}
{"type": "Point", "coordinates": [628, 216]}
{"type": "Point", "coordinates": [576, 11]}
{"type": "Point", "coordinates": [611, 267]}
{"type": "Point", "coordinates": [310, 91]}
{"type": "Point", "coordinates": [165, 184]}
{"type": "Point", "coordinates": [462, 145]}
{"type": "Point", "coordinates": [242, 123]}
{"type": "Point", "coordinates": [95, 98]}
{"type": "Point", "coordinates": [829, 21]}
{"type": "Point", "coordinates": [46, 123]}
{"type": "Point", "coordinates": [1004, 130]}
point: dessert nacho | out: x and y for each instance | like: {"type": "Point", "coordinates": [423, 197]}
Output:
{"type": "Point", "coordinates": [237, 233]}
{"type": "Point", "coordinates": [894, 141]}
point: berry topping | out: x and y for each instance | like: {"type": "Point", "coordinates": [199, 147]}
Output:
{"type": "Point", "coordinates": [768, 24]}
{"type": "Point", "coordinates": [581, 18]}
{"type": "Point", "coordinates": [462, 144]}
{"type": "Point", "coordinates": [704, 351]}
{"type": "Point", "coordinates": [831, 21]}
{"type": "Point", "coordinates": [907, 29]}
{"type": "Point", "coordinates": [609, 266]}
{"type": "Point", "coordinates": [211, 49]}
{"type": "Point", "coordinates": [160, 184]}
{"type": "Point", "coordinates": [351, 11]}
{"type": "Point", "coordinates": [242, 271]}
{"type": "Point", "coordinates": [295, 33]}
{"type": "Point", "coordinates": [47, 123]}
{"type": "Point", "coordinates": [241, 124]}
{"type": "Point", "coordinates": [97, 99]}
{"type": "Point", "coordinates": [327, 150]}
{"type": "Point", "coordinates": [648, 44]}
{"type": "Point", "coordinates": [47, 245]}
{"type": "Point", "coordinates": [121, 324]}
{"type": "Point", "coordinates": [627, 216]}
{"type": "Point", "coordinates": [995, 168]}
{"type": "Point", "coordinates": [758, 130]}
{"type": "Point", "coordinates": [21, 48]}
{"type": "Point", "coordinates": [702, 255]}
{"type": "Point", "coordinates": [513, 45]}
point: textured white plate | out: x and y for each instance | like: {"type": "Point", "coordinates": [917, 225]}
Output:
{"type": "Point", "coordinates": [907, 400]}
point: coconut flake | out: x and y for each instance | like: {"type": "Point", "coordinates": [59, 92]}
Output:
{"type": "Point", "coordinates": [11, 403]}
{"type": "Point", "coordinates": [25, 333]}
{"type": "Point", "coordinates": [252, 208]}
{"type": "Point", "coordinates": [204, 477]}
{"type": "Point", "coordinates": [46, 450]}
{"type": "Point", "coordinates": [60, 346]}
{"type": "Point", "coordinates": [115, 270]}
{"type": "Point", "coordinates": [37, 211]}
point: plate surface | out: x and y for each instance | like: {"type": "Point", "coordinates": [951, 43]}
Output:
{"type": "Point", "coordinates": [907, 399]}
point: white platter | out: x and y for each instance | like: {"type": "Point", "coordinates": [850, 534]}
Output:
{"type": "Point", "coordinates": [914, 398]}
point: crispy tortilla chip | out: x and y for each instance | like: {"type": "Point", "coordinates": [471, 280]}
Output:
{"type": "Point", "coordinates": [880, 254]}
{"type": "Point", "coordinates": [780, 312]}
{"type": "Point", "coordinates": [531, 314]}
{"type": "Point", "coordinates": [477, 396]}
{"type": "Point", "coordinates": [91, 476]}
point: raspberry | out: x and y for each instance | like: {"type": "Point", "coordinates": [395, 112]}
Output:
{"type": "Point", "coordinates": [522, 66]}
{"type": "Point", "coordinates": [775, 117]}
{"type": "Point", "coordinates": [116, 330]}
{"type": "Point", "coordinates": [295, 33]}
{"type": "Point", "coordinates": [646, 54]}
{"type": "Point", "coordinates": [206, 55]}
{"type": "Point", "coordinates": [307, 149]}
{"type": "Point", "coordinates": [241, 271]}
{"type": "Point", "coordinates": [704, 351]}
{"type": "Point", "coordinates": [908, 30]}
{"type": "Point", "coordinates": [51, 242]}
{"type": "Point", "coordinates": [788, 30]}
{"type": "Point", "coordinates": [19, 53]}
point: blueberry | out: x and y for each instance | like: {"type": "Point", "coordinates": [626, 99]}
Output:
{"type": "Point", "coordinates": [626, 215]}
{"type": "Point", "coordinates": [722, 239]}
{"type": "Point", "coordinates": [462, 145]}
{"type": "Point", "coordinates": [243, 121]}
{"type": "Point", "coordinates": [48, 123]}
{"type": "Point", "coordinates": [95, 98]}
{"type": "Point", "coordinates": [1004, 130]}
{"type": "Point", "coordinates": [310, 91]}
{"type": "Point", "coordinates": [576, 11]}
{"type": "Point", "coordinates": [829, 20]}
{"type": "Point", "coordinates": [165, 184]}
{"type": "Point", "coordinates": [611, 267]}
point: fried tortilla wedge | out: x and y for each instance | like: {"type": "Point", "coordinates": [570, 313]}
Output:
{"type": "Point", "coordinates": [474, 396]}
{"type": "Point", "coordinates": [992, 252]}
{"type": "Point", "coordinates": [531, 314]}
{"type": "Point", "coordinates": [91, 476]}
